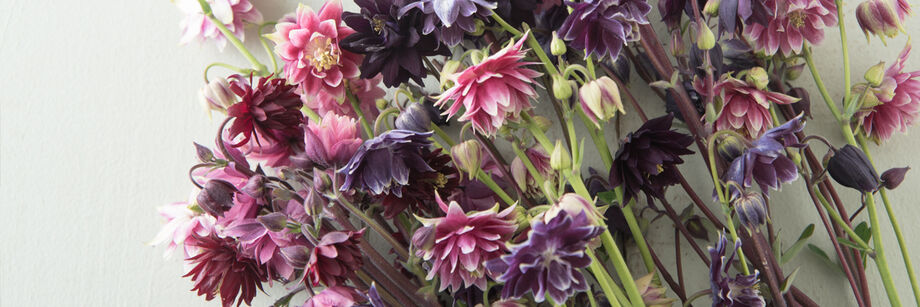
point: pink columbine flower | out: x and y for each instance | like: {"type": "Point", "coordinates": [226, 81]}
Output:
{"type": "Point", "coordinates": [264, 245]}
{"type": "Point", "coordinates": [332, 141]}
{"type": "Point", "coordinates": [232, 13]}
{"type": "Point", "coordinates": [463, 242]}
{"type": "Point", "coordinates": [181, 223]}
{"type": "Point", "coordinates": [795, 22]}
{"type": "Point", "coordinates": [496, 89]}
{"type": "Point", "coordinates": [367, 91]}
{"type": "Point", "coordinates": [308, 44]}
{"type": "Point", "coordinates": [899, 98]}
{"type": "Point", "coordinates": [338, 296]}
{"type": "Point", "coordinates": [746, 106]}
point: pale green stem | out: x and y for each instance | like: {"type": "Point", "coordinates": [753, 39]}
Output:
{"type": "Point", "coordinates": [821, 88]}
{"type": "Point", "coordinates": [537, 133]}
{"type": "Point", "coordinates": [443, 135]}
{"type": "Point", "coordinates": [603, 279]}
{"type": "Point", "coordinates": [268, 50]}
{"type": "Point", "coordinates": [311, 114]}
{"type": "Point", "coordinates": [846, 51]}
{"type": "Point", "coordinates": [532, 170]}
{"type": "Point", "coordinates": [487, 180]}
{"type": "Point", "coordinates": [256, 65]}
{"type": "Point", "coordinates": [355, 105]}
{"type": "Point", "coordinates": [726, 208]}
{"type": "Point", "coordinates": [619, 265]}
{"type": "Point", "coordinates": [840, 222]}
{"type": "Point", "coordinates": [636, 231]}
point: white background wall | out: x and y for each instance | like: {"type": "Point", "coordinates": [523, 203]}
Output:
{"type": "Point", "coordinates": [98, 112]}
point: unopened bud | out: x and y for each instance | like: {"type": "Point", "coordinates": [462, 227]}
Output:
{"type": "Point", "coordinates": [711, 8]}
{"type": "Point", "coordinates": [216, 197]}
{"type": "Point", "coordinates": [381, 103]}
{"type": "Point", "coordinates": [731, 147]}
{"type": "Point", "coordinates": [758, 77]}
{"type": "Point", "coordinates": [560, 158]}
{"type": "Point", "coordinates": [480, 28]}
{"type": "Point", "coordinates": [751, 210]}
{"type": "Point", "coordinates": [794, 72]}
{"type": "Point", "coordinates": [447, 72]}
{"type": "Point", "coordinates": [705, 40]}
{"type": "Point", "coordinates": [256, 186]}
{"type": "Point", "coordinates": [875, 74]}
{"type": "Point", "coordinates": [274, 221]}
{"type": "Point", "coordinates": [573, 204]}
{"type": "Point", "coordinates": [204, 154]}
{"type": "Point", "coordinates": [677, 46]}
{"type": "Point", "coordinates": [467, 157]}
{"type": "Point", "coordinates": [850, 167]}
{"type": "Point", "coordinates": [557, 45]}
{"type": "Point", "coordinates": [216, 96]}
{"type": "Point", "coordinates": [542, 122]}
{"type": "Point", "coordinates": [415, 118]}
{"type": "Point", "coordinates": [892, 178]}
{"type": "Point", "coordinates": [878, 17]}
{"type": "Point", "coordinates": [600, 100]}
{"type": "Point", "coordinates": [562, 90]}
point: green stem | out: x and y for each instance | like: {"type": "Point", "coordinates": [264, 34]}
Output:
{"type": "Point", "coordinates": [440, 132]}
{"type": "Point", "coordinates": [636, 232]}
{"type": "Point", "coordinates": [846, 52]}
{"type": "Point", "coordinates": [603, 279]}
{"type": "Point", "coordinates": [824, 93]}
{"type": "Point", "coordinates": [268, 50]}
{"type": "Point", "coordinates": [619, 265]}
{"type": "Point", "coordinates": [383, 117]}
{"type": "Point", "coordinates": [398, 247]}
{"type": "Point", "coordinates": [532, 170]}
{"type": "Point", "coordinates": [839, 220]}
{"type": "Point", "coordinates": [357, 107]}
{"type": "Point", "coordinates": [311, 114]}
{"type": "Point", "coordinates": [256, 65]}
{"type": "Point", "coordinates": [734, 233]}
{"type": "Point", "coordinates": [880, 260]}
{"type": "Point", "coordinates": [487, 180]}
{"type": "Point", "coordinates": [537, 133]}
{"type": "Point", "coordinates": [726, 208]}
{"type": "Point", "coordinates": [224, 65]}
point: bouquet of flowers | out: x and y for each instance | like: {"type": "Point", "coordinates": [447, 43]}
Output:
{"type": "Point", "coordinates": [393, 156]}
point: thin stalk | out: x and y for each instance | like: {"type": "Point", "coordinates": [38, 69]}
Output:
{"type": "Point", "coordinates": [357, 107]}
{"type": "Point", "coordinates": [440, 132]}
{"type": "Point", "coordinates": [846, 52]}
{"type": "Point", "coordinates": [880, 260]}
{"type": "Point", "coordinates": [487, 180]}
{"type": "Point", "coordinates": [599, 274]}
{"type": "Point", "coordinates": [635, 230]}
{"type": "Point", "coordinates": [726, 208]}
{"type": "Point", "coordinates": [619, 265]}
{"type": "Point", "coordinates": [821, 88]}
{"type": "Point", "coordinates": [841, 223]}
{"type": "Point", "coordinates": [399, 248]}
{"type": "Point", "coordinates": [268, 50]}
{"type": "Point", "coordinates": [537, 133]}
{"type": "Point", "coordinates": [256, 65]}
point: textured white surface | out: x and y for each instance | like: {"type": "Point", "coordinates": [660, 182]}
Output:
{"type": "Point", "coordinates": [98, 111]}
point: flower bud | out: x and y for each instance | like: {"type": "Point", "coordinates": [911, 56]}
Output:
{"type": "Point", "coordinates": [794, 71]}
{"type": "Point", "coordinates": [313, 203]}
{"type": "Point", "coordinates": [216, 96]}
{"type": "Point", "coordinates": [560, 159]}
{"type": "Point", "coordinates": [731, 147]}
{"type": "Point", "coordinates": [804, 103]}
{"type": "Point", "coordinates": [600, 100]}
{"type": "Point", "coordinates": [519, 173]}
{"type": "Point", "coordinates": [695, 226]}
{"type": "Point", "coordinates": [255, 186]}
{"type": "Point", "coordinates": [204, 154]}
{"type": "Point", "coordinates": [414, 118]}
{"type": "Point", "coordinates": [573, 204]}
{"type": "Point", "coordinates": [562, 89]}
{"type": "Point", "coordinates": [751, 210]}
{"type": "Point", "coordinates": [423, 238]}
{"type": "Point", "coordinates": [652, 294]}
{"type": "Point", "coordinates": [758, 77]}
{"type": "Point", "coordinates": [892, 178]}
{"type": "Point", "coordinates": [850, 167]}
{"type": "Point", "coordinates": [216, 197]}
{"type": "Point", "coordinates": [450, 67]}
{"type": "Point", "coordinates": [467, 157]}
{"type": "Point", "coordinates": [480, 28]}
{"type": "Point", "coordinates": [677, 47]}
{"type": "Point", "coordinates": [542, 122]}
{"type": "Point", "coordinates": [557, 45]}
{"type": "Point", "coordinates": [875, 74]}
{"type": "Point", "coordinates": [274, 221]}
{"type": "Point", "coordinates": [381, 103]}
{"type": "Point", "coordinates": [711, 8]}
{"type": "Point", "coordinates": [296, 255]}
{"type": "Point", "coordinates": [878, 17]}
{"type": "Point", "coordinates": [705, 40]}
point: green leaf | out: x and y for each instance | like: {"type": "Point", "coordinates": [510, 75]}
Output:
{"type": "Point", "coordinates": [787, 284]}
{"type": "Point", "coordinates": [607, 197]}
{"type": "Point", "coordinates": [853, 245]}
{"type": "Point", "coordinates": [863, 231]}
{"type": "Point", "coordinates": [797, 246]}
{"type": "Point", "coordinates": [821, 254]}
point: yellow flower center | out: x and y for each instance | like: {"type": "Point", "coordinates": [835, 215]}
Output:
{"type": "Point", "coordinates": [378, 24]}
{"type": "Point", "coordinates": [441, 181]}
{"type": "Point", "coordinates": [322, 53]}
{"type": "Point", "coordinates": [797, 19]}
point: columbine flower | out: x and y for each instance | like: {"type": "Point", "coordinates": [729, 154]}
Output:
{"type": "Point", "coordinates": [751, 209]}
{"type": "Point", "coordinates": [231, 13]}
{"type": "Point", "coordinates": [335, 258]}
{"type": "Point", "coordinates": [332, 141]}
{"type": "Point", "coordinates": [452, 18]}
{"type": "Point", "coordinates": [216, 95]}
{"type": "Point", "coordinates": [338, 296]}
{"type": "Point", "coordinates": [548, 262]}
{"type": "Point", "coordinates": [496, 89]}
{"type": "Point", "coordinates": [850, 167]}
{"type": "Point", "coordinates": [795, 22]}
{"type": "Point", "coordinates": [647, 158]}
{"type": "Point", "coordinates": [746, 105]}
{"type": "Point", "coordinates": [308, 44]}
{"type": "Point", "coordinates": [899, 99]}
{"type": "Point", "coordinates": [181, 223]}
{"type": "Point", "coordinates": [603, 27]}
{"type": "Point", "coordinates": [731, 292]}
{"type": "Point", "coordinates": [600, 100]}
{"type": "Point", "coordinates": [219, 269]}
{"type": "Point", "coordinates": [463, 242]}
{"type": "Point", "coordinates": [415, 117]}
{"type": "Point", "coordinates": [393, 45]}
{"type": "Point", "coordinates": [765, 161]}
{"type": "Point", "coordinates": [263, 244]}
{"type": "Point", "coordinates": [277, 147]}
{"type": "Point", "coordinates": [264, 108]}
{"type": "Point", "coordinates": [574, 204]}
{"type": "Point", "coordinates": [878, 17]}
{"type": "Point", "coordinates": [522, 176]}
{"type": "Point", "coordinates": [367, 91]}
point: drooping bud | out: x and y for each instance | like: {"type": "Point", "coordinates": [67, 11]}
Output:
{"type": "Point", "coordinates": [204, 154]}
{"type": "Point", "coordinates": [562, 89]}
{"type": "Point", "coordinates": [677, 47]}
{"type": "Point", "coordinates": [216, 197]}
{"type": "Point", "coordinates": [875, 74]}
{"type": "Point", "coordinates": [711, 8]}
{"type": "Point", "coordinates": [557, 45]}
{"type": "Point", "coordinates": [560, 159]}
{"type": "Point", "coordinates": [600, 100]}
{"type": "Point", "coordinates": [731, 147]}
{"type": "Point", "coordinates": [274, 221]}
{"type": "Point", "coordinates": [480, 28]}
{"type": "Point", "coordinates": [542, 122]}
{"type": "Point", "coordinates": [414, 118]}
{"type": "Point", "coordinates": [216, 96]}
{"type": "Point", "coordinates": [467, 157]}
{"type": "Point", "coordinates": [758, 77]}
{"type": "Point", "coordinates": [696, 228]}
{"type": "Point", "coordinates": [256, 186]}
{"type": "Point", "coordinates": [794, 71]}
{"type": "Point", "coordinates": [381, 103]}
{"type": "Point", "coordinates": [878, 17]}
{"type": "Point", "coordinates": [573, 204]}
{"type": "Point", "coordinates": [892, 178]}
{"type": "Point", "coordinates": [850, 167]}
{"type": "Point", "coordinates": [423, 238]}
{"type": "Point", "coordinates": [751, 209]}
{"type": "Point", "coordinates": [450, 67]}
{"type": "Point", "coordinates": [313, 203]}
{"type": "Point", "coordinates": [705, 40]}
{"type": "Point", "coordinates": [519, 173]}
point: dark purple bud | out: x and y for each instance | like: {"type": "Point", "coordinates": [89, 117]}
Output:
{"type": "Point", "coordinates": [731, 147]}
{"type": "Point", "coordinates": [423, 238]}
{"type": "Point", "coordinates": [274, 221]}
{"type": "Point", "coordinates": [313, 203]}
{"type": "Point", "coordinates": [204, 153]}
{"type": "Point", "coordinates": [297, 255]}
{"type": "Point", "coordinates": [892, 178]}
{"type": "Point", "coordinates": [696, 229]}
{"type": "Point", "coordinates": [804, 103]}
{"type": "Point", "coordinates": [216, 197]}
{"type": "Point", "coordinates": [415, 118]}
{"type": "Point", "coordinates": [256, 186]}
{"type": "Point", "coordinates": [850, 167]}
{"type": "Point", "coordinates": [751, 209]}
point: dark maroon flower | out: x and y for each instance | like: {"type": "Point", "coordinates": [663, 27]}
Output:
{"type": "Point", "coordinates": [850, 167]}
{"type": "Point", "coordinates": [647, 159]}
{"type": "Point", "coordinates": [603, 27]}
{"type": "Point", "coordinates": [264, 108]}
{"type": "Point", "coordinates": [216, 197]}
{"type": "Point", "coordinates": [548, 263]}
{"type": "Point", "coordinates": [335, 258]}
{"type": "Point", "coordinates": [220, 269]}
{"type": "Point", "coordinates": [892, 178]}
{"type": "Point", "coordinates": [393, 45]}
{"type": "Point", "coordinates": [420, 193]}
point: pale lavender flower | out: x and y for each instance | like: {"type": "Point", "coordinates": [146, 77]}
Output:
{"type": "Point", "coordinates": [231, 13]}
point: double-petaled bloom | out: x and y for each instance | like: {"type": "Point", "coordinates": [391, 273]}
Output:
{"type": "Point", "coordinates": [219, 269]}
{"type": "Point", "coordinates": [450, 19]}
{"type": "Point", "coordinates": [898, 101]}
{"type": "Point", "coordinates": [181, 223]}
{"type": "Point", "coordinates": [794, 22]}
{"type": "Point", "coordinates": [265, 108]}
{"type": "Point", "coordinates": [366, 91]}
{"type": "Point", "coordinates": [740, 291]}
{"type": "Point", "coordinates": [746, 105]}
{"type": "Point", "coordinates": [878, 17]}
{"type": "Point", "coordinates": [335, 258]}
{"type": "Point", "coordinates": [647, 159]}
{"type": "Point", "coordinates": [264, 245]}
{"type": "Point", "coordinates": [603, 27]}
{"type": "Point", "coordinates": [495, 90]}
{"type": "Point", "coordinates": [548, 263]}
{"type": "Point", "coordinates": [231, 13]}
{"type": "Point", "coordinates": [332, 141]}
{"type": "Point", "coordinates": [459, 244]}
{"type": "Point", "coordinates": [764, 161]}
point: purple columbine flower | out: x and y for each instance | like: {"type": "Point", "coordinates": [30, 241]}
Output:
{"type": "Point", "coordinates": [603, 27]}
{"type": "Point", "coordinates": [765, 161]}
{"type": "Point", "coordinates": [382, 164]}
{"type": "Point", "coordinates": [731, 292]}
{"type": "Point", "coordinates": [450, 19]}
{"type": "Point", "coordinates": [393, 45]}
{"type": "Point", "coordinates": [548, 262]}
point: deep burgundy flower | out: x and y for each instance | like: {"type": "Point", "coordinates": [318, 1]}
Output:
{"type": "Point", "coordinates": [603, 27]}
{"type": "Point", "coordinates": [220, 269]}
{"type": "Point", "coordinates": [740, 291]}
{"type": "Point", "coordinates": [265, 107]}
{"type": "Point", "coordinates": [765, 161]}
{"type": "Point", "coordinates": [450, 20]}
{"type": "Point", "coordinates": [463, 242]}
{"type": "Point", "coordinates": [334, 258]}
{"type": "Point", "coordinates": [647, 158]}
{"type": "Point", "coordinates": [549, 261]}
{"type": "Point", "coordinates": [393, 45]}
